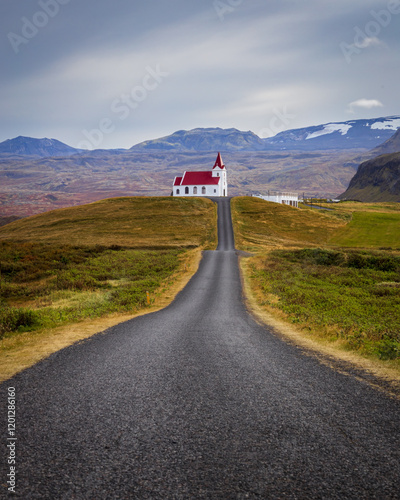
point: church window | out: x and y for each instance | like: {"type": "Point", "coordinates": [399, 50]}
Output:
{"type": "Point", "coordinates": [195, 190]}
{"type": "Point", "coordinates": [203, 190]}
{"type": "Point", "coordinates": [177, 191]}
{"type": "Point", "coordinates": [186, 190]}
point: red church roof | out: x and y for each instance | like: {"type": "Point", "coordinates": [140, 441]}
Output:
{"type": "Point", "coordinates": [177, 181]}
{"type": "Point", "coordinates": [196, 179]}
{"type": "Point", "coordinates": [218, 162]}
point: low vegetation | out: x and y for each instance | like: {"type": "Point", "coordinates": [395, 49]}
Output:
{"type": "Point", "coordinates": [335, 274]}
{"type": "Point", "coordinates": [44, 285]}
{"type": "Point", "coordinates": [114, 257]}
{"type": "Point", "coordinates": [352, 296]}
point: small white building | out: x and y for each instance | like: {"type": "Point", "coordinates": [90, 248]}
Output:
{"type": "Point", "coordinates": [291, 199]}
{"type": "Point", "coordinates": [205, 183]}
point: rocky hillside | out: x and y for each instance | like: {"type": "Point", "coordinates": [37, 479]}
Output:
{"type": "Point", "coordinates": [376, 180]}
{"type": "Point", "coordinates": [392, 145]}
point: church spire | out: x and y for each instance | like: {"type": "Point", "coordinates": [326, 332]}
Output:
{"type": "Point", "coordinates": [218, 162]}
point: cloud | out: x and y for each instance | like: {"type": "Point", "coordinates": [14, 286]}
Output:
{"type": "Point", "coordinates": [369, 42]}
{"type": "Point", "coordinates": [266, 61]}
{"type": "Point", "coordinates": [364, 104]}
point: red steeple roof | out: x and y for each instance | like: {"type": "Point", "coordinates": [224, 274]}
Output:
{"type": "Point", "coordinates": [218, 162]}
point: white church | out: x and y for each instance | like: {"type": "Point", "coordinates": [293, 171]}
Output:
{"type": "Point", "coordinates": [206, 183]}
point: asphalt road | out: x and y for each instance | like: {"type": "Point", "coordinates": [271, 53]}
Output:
{"type": "Point", "coordinates": [200, 401]}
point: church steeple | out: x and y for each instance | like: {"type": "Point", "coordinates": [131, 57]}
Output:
{"type": "Point", "coordinates": [218, 162]}
{"type": "Point", "coordinates": [212, 183]}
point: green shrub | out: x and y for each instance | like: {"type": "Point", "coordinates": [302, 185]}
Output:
{"type": "Point", "coordinates": [75, 280]}
{"type": "Point", "coordinates": [388, 348]}
{"type": "Point", "coordinates": [17, 319]}
{"type": "Point", "coordinates": [43, 271]}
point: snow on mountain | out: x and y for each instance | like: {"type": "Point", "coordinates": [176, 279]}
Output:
{"type": "Point", "coordinates": [390, 124]}
{"type": "Point", "coordinates": [352, 134]}
{"type": "Point", "coordinates": [343, 128]}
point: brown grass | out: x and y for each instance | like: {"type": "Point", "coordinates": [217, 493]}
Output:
{"type": "Point", "coordinates": [156, 222]}
{"type": "Point", "coordinates": [261, 225]}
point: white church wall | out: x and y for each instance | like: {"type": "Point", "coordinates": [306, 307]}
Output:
{"type": "Point", "coordinates": [212, 190]}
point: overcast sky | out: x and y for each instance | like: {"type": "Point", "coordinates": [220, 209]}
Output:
{"type": "Point", "coordinates": [112, 73]}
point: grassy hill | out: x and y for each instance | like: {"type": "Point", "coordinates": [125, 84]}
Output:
{"type": "Point", "coordinates": [156, 222]}
{"type": "Point", "coordinates": [333, 274]}
{"type": "Point", "coordinates": [262, 225]}
{"type": "Point", "coordinates": [93, 266]}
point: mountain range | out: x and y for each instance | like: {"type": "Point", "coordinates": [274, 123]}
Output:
{"type": "Point", "coordinates": [340, 135]}
{"type": "Point", "coordinates": [353, 134]}
{"type": "Point", "coordinates": [38, 175]}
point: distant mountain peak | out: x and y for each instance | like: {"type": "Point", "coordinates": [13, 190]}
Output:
{"type": "Point", "coordinates": [42, 148]}
{"type": "Point", "coordinates": [204, 139]}
{"type": "Point", "coordinates": [365, 134]}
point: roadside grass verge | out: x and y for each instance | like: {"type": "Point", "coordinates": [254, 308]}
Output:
{"type": "Point", "coordinates": [345, 294]}
{"type": "Point", "coordinates": [351, 296]}
{"type": "Point", "coordinates": [96, 264]}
